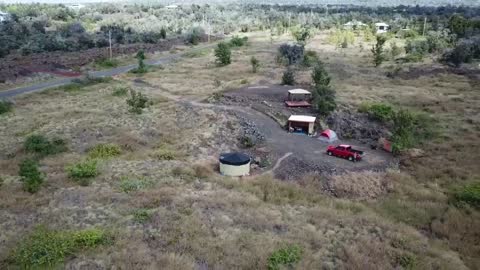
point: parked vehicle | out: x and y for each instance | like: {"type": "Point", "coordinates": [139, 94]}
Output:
{"type": "Point", "coordinates": [345, 151]}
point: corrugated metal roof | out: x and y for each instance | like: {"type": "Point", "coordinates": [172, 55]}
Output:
{"type": "Point", "coordinates": [302, 118]}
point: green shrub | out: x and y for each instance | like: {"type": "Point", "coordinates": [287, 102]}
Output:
{"type": "Point", "coordinates": [310, 58]}
{"type": "Point", "coordinates": [83, 171]}
{"type": "Point", "coordinates": [165, 154]}
{"type": "Point", "coordinates": [128, 185]}
{"type": "Point", "coordinates": [378, 111]}
{"type": "Point", "coordinates": [323, 95]}
{"type": "Point", "coordinates": [104, 151]}
{"type": "Point", "coordinates": [407, 261]}
{"type": "Point", "coordinates": [46, 248]}
{"type": "Point", "coordinates": [288, 77]}
{"type": "Point", "coordinates": [5, 106]}
{"type": "Point", "coordinates": [377, 51]}
{"type": "Point", "coordinates": [120, 91]}
{"type": "Point", "coordinates": [39, 144]}
{"type": "Point", "coordinates": [141, 68]}
{"type": "Point", "coordinates": [137, 102]}
{"type": "Point", "coordinates": [237, 41]}
{"type": "Point", "coordinates": [284, 257]}
{"type": "Point", "coordinates": [469, 194]}
{"type": "Point", "coordinates": [195, 35]}
{"type": "Point", "coordinates": [106, 63]}
{"type": "Point", "coordinates": [223, 54]}
{"type": "Point", "coordinates": [31, 177]}
{"type": "Point", "coordinates": [255, 64]}
{"type": "Point", "coordinates": [141, 215]}
{"type": "Point", "coordinates": [410, 129]}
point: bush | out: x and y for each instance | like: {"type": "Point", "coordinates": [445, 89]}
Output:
{"type": "Point", "coordinates": [238, 41]}
{"type": "Point", "coordinates": [83, 171]}
{"type": "Point", "coordinates": [223, 54]}
{"type": "Point", "coordinates": [410, 129]}
{"type": "Point", "coordinates": [284, 257]}
{"type": "Point", "coordinates": [310, 58]}
{"type": "Point", "coordinates": [41, 145]}
{"type": "Point", "coordinates": [248, 141]}
{"type": "Point", "coordinates": [292, 53]}
{"type": "Point", "coordinates": [106, 63]}
{"type": "Point", "coordinates": [128, 185]}
{"type": "Point", "coordinates": [120, 91]}
{"type": "Point", "coordinates": [5, 106]}
{"type": "Point", "coordinates": [464, 52]}
{"type": "Point", "coordinates": [165, 154]}
{"type": "Point", "coordinates": [255, 64]}
{"type": "Point", "coordinates": [469, 194]}
{"type": "Point", "coordinates": [104, 151]}
{"type": "Point", "coordinates": [137, 102]}
{"type": "Point", "coordinates": [378, 111]}
{"type": "Point", "coordinates": [288, 77]}
{"type": "Point", "coordinates": [141, 215]}
{"type": "Point", "coordinates": [195, 35]}
{"type": "Point", "coordinates": [46, 248]}
{"type": "Point", "coordinates": [31, 177]}
{"type": "Point", "coordinates": [141, 68]}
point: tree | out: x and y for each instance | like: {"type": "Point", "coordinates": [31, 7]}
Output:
{"type": "Point", "coordinates": [324, 95]}
{"type": "Point", "coordinates": [31, 177]}
{"type": "Point", "coordinates": [302, 35]}
{"type": "Point", "coordinates": [394, 50]}
{"type": "Point", "coordinates": [163, 33]}
{"type": "Point", "coordinates": [142, 68]}
{"type": "Point", "coordinates": [255, 64]}
{"type": "Point", "coordinates": [377, 50]}
{"type": "Point", "coordinates": [223, 54]}
{"type": "Point", "coordinates": [288, 77]}
{"type": "Point", "coordinates": [320, 76]}
{"type": "Point", "coordinates": [293, 53]}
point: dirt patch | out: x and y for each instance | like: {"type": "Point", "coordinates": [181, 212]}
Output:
{"type": "Point", "coordinates": [359, 185]}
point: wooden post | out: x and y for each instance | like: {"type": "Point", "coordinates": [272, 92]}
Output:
{"type": "Point", "coordinates": [424, 26]}
{"type": "Point", "coordinates": [110, 41]}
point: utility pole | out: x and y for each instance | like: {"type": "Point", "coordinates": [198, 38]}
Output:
{"type": "Point", "coordinates": [110, 41]}
{"type": "Point", "coordinates": [424, 26]}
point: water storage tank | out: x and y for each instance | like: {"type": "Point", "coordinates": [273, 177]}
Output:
{"type": "Point", "coordinates": [234, 164]}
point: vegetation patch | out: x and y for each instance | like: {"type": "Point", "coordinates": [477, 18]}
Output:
{"type": "Point", "coordinates": [82, 172]}
{"type": "Point", "coordinates": [142, 215]}
{"type": "Point", "coordinates": [43, 146]}
{"type": "Point", "coordinates": [237, 41]}
{"type": "Point", "coordinates": [377, 111]}
{"type": "Point", "coordinates": [137, 102]}
{"type": "Point", "coordinates": [30, 175]}
{"type": "Point", "coordinates": [106, 63]}
{"type": "Point", "coordinates": [45, 248]}
{"type": "Point", "coordinates": [469, 194]}
{"type": "Point", "coordinates": [128, 184]}
{"type": "Point", "coordinates": [120, 91]}
{"type": "Point", "coordinates": [285, 257]}
{"type": "Point", "coordinates": [5, 106]}
{"type": "Point", "coordinates": [223, 54]}
{"type": "Point", "coordinates": [104, 151]}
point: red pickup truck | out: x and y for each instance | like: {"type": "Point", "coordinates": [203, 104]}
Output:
{"type": "Point", "coordinates": [345, 151]}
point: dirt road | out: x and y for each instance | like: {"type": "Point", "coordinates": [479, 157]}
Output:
{"type": "Point", "coordinates": [103, 73]}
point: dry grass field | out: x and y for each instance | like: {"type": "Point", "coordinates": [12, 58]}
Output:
{"type": "Point", "coordinates": [166, 207]}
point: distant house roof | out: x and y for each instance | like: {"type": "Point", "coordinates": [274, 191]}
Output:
{"type": "Point", "coordinates": [171, 6]}
{"type": "Point", "coordinates": [381, 24]}
{"type": "Point", "coordinates": [299, 91]}
{"type": "Point", "coordinates": [354, 23]}
{"type": "Point", "coordinates": [302, 118]}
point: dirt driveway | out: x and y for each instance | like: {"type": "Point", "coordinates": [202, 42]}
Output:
{"type": "Point", "coordinates": [305, 154]}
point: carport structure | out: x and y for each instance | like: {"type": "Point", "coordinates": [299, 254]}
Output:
{"type": "Point", "coordinates": [301, 124]}
{"type": "Point", "coordinates": [298, 98]}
